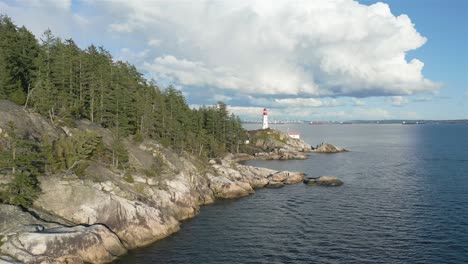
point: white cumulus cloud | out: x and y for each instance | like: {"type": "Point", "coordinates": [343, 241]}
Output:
{"type": "Point", "coordinates": [307, 102]}
{"type": "Point", "coordinates": [318, 48]}
{"type": "Point", "coordinates": [280, 54]}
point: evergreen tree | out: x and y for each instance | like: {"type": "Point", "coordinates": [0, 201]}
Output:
{"type": "Point", "coordinates": [18, 50]}
{"type": "Point", "coordinates": [3, 77]}
{"type": "Point", "coordinates": [21, 191]}
{"type": "Point", "coordinates": [70, 151]}
{"type": "Point", "coordinates": [65, 83]}
{"type": "Point", "coordinates": [24, 159]}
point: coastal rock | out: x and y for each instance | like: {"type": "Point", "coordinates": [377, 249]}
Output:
{"type": "Point", "coordinates": [282, 155]}
{"type": "Point", "coordinates": [250, 171]}
{"type": "Point", "coordinates": [79, 244]}
{"type": "Point", "coordinates": [8, 260]}
{"type": "Point", "coordinates": [269, 144]}
{"type": "Point", "coordinates": [286, 177]}
{"type": "Point", "coordinates": [31, 240]}
{"type": "Point", "coordinates": [279, 176]}
{"type": "Point", "coordinates": [256, 177]}
{"type": "Point", "coordinates": [22, 220]}
{"type": "Point", "coordinates": [294, 177]}
{"type": "Point", "coordinates": [288, 155]}
{"type": "Point", "coordinates": [258, 182]}
{"type": "Point", "coordinates": [224, 188]}
{"type": "Point", "coordinates": [324, 181]}
{"type": "Point", "coordinates": [327, 148]}
{"type": "Point", "coordinates": [136, 223]}
{"type": "Point", "coordinates": [274, 185]}
{"type": "Point", "coordinates": [234, 177]}
{"type": "Point", "coordinates": [30, 125]}
{"type": "Point", "coordinates": [181, 195]}
{"type": "Point", "coordinates": [238, 157]}
{"type": "Point", "coordinates": [179, 188]}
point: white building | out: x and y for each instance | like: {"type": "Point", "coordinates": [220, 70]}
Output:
{"type": "Point", "coordinates": [265, 119]}
{"type": "Point", "coordinates": [294, 135]}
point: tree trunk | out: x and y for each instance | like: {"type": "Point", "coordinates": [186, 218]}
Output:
{"type": "Point", "coordinates": [91, 108]}
{"type": "Point", "coordinates": [13, 153]}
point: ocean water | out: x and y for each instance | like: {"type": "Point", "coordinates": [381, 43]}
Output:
{"type": "Point", "coordinates": [405, 200]}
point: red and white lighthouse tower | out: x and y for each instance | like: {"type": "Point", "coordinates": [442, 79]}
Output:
{"type": "Point", "coordinates": [265, 119]}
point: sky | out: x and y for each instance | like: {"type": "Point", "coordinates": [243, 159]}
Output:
{"type": "Point", "coordinates": [309, 60]}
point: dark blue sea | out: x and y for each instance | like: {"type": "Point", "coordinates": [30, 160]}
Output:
{"type": "Point", "coordinates": [405, 200]}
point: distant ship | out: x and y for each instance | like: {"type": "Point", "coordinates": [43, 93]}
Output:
{"type": "Point", "coordinates": [317, 123]}
{"type": "Point", "coordinates": [411, 123]}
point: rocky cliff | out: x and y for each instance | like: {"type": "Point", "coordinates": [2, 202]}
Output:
{"type": "Point", "coordinates": [97, 216]}
{"type": "Point", "coordinates": [270, 144]}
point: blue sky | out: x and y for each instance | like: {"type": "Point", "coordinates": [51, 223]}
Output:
{"type": "Point", "coordinates": [312, 60]}
{"type": "Point", "coordinates": [445, 54]}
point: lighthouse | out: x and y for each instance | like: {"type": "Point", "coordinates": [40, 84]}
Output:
{"type": "Point", "coordinates": [265, 119]}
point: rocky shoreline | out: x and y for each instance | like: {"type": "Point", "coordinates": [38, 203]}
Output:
{"type": "Point", "coordinates": [99, 216]}
{"type": "Point", "coordinates": [97, 222]}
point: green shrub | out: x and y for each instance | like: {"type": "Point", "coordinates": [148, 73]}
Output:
{"type": "Point", "coordinates": [138, 138]}
{"type": "Point", "coordinates": [18, 96]}
{"type": "Point", "coordinates": [73, 152]}
{"type": "Point", "coordinates": [21, 191]}
{"type": "Point", "coordinates": [140, 188]}
{"type": "Point", "coordinates": [150, 173]}
{"type": "Point", "coordinates": [80, 168]}
{"type": "Point", "coordinates": [129, 178]}
{"type": "Point", "coordinates": [68, 121]}
{"type": "Point", "coordinates": [97, 179]}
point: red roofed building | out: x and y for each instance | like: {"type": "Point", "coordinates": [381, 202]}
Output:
{"type": "Point", "coordinates": [294, 135]}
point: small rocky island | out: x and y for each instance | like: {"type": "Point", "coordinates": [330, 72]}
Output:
{"type": "Point", "coordinates": [323, 181]}
{"type": "Point", "coordinates": [327, 148]}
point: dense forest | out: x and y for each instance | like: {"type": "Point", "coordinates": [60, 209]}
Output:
{"type": "Point", "coordinates": [65, 83]}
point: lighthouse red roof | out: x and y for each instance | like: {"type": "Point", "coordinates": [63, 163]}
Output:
{"type": "Point", "coordinates": [293, 133]}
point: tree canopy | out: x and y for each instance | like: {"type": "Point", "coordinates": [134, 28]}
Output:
{"type": "Point", "coordinates": [64, 83]}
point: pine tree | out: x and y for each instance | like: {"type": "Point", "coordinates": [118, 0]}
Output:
{"type": "Point", "coordinates": [65, 83]}
{"type": "Point", "coordinates": [3, 77]}
{"type": "Point", "coordinates": [45, 96]}
{"type": "Point", "coordinates": [70, 151]}
{"type": "Point", "coordinates": [21, 191]}
{"type": "Point", "coordinates": [24, 160]}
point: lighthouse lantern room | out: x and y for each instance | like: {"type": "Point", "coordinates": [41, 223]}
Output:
{"type": "Point", "coordinates": [265, 119]}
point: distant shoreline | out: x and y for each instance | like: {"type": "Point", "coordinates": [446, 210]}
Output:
{"type": "Point", "coordinates": [370, 122]}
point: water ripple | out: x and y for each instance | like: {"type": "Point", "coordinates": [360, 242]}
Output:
{"type": "Point", "coordinates": [405, 200]}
